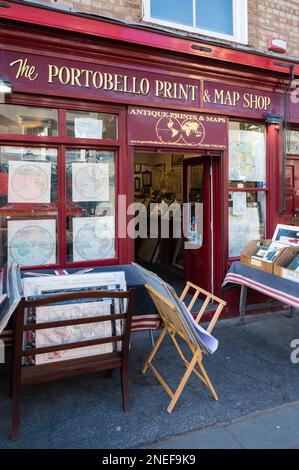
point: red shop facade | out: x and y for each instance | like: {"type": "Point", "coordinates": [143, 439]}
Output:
{"type": "Point", "coordinates": [90, 96]}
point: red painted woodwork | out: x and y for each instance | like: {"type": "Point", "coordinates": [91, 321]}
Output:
{"type": "Point", "coordinates": [137, 36]}
{"type": "Point", "coordinates": [89, 41]}
{"type": "Point", "coordinates": [62, 142]}
{"type": "Point", "coordinates": [292, 191]}
{"type": "Point", "coordinates": [198, 262]}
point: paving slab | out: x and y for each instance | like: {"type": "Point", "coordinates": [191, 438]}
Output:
{"type": "Point", "coordinates": [213, 439]}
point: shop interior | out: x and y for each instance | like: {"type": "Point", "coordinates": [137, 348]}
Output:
{"type": "Point", "coordinates": [159, 177]}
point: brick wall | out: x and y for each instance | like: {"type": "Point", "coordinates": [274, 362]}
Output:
{"type": "Point", "coordinates": [122, 9]}
{"type": "Point", "coordinates": [277, 18]}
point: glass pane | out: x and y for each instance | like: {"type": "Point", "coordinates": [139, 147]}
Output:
{"type": "Point", "coordinates": [247, 216]}
{"type": "Point", "coordinates": [28, 209]}
{"type": "Point", "coordinates": [195, 183]}
{"type": "Point", "coordinates": [91, 125]}
{"type": "Point", "coordinates": [174, 11]}
{"type": "Point", "coordinates": [247, 155]}
{"type": "Point", "coordinates": [215, 15]}
{"type": "Point", "coordinates": [293, 142]}
{"type": "Point", "coordinates": [90, 204]}
{"type": "Point", "coordinates": [26, 120]}
{"type": "Point", "coordinates": [195, 195]}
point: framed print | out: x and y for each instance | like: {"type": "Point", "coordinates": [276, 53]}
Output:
{"type": "Point", "coordinates": [146, 178]}
{"type": "Point", "coordinates": [158, 176]}
{"type": "Point", "coordinates": [31, 242]}
{"type": "Point", "coordinates": [294, 265]}
{"type": "Point", "coordinates": [93, 238]}
{"type": "Point", "coordinates": [29, 182]}
{"type": "Point", "coordinates": [137, 168]}
{"type": "Point", "coordinates": [273, 251]}
{"type": "Point", "coordinates": [174, 181]}
{"type": "Point", "coordinates": [177, 160]}
{"type": "Point", "coordinates": [137, 184]}
{"type": "Point", "coordinates": [56, 284]}
{"type": "Point", "coordinates": [196, 176]}
{"type": "Point", "coordinates": [62, 284]}
{"type": "Point", "coordinates": [90, 182]}
{"type": "Point", "coordinates": [287, 234]}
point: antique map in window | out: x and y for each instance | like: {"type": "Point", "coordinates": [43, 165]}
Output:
{"type": "Point", "coordinates": [32, 242]}
{"type": "Point", "coordinates": [90, 182]}
{"type": "Point", "coordinates": [29, 182]}
{"type": "Point", "coordinates": [93, 238]}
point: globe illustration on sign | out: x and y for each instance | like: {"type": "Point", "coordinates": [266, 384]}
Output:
{"type": "Point", "coordinates": [193, 132]}
{"type": "Point", "coordinates": [30, 182]}
{"type": "Point", "coordinates": [31, 246]}
{"type": "Point", "coordinates": [95, 241]}
{"type": "Point", "coordinates": [168, 130]}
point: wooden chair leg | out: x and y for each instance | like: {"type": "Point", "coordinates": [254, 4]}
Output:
{"type": "Point", "coordinates": [182, 384]}
{"type": "Point", "coordinates": [154, 351]}
{"type": "Point", "coordinates": [108, 374]}
{"type": "Point", "coordinates": [209, 383]}
{"type": "Point", "coordinates": [15, 413]}
{"type": "Point", "coordinates": [125, 387]}
{"type": "Point", "coordinates": [11, 377]}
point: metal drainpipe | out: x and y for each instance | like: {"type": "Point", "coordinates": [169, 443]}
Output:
{"type": "Point", "coordinates": [284, 156]}
{"type": "Point", "coordinates": [286, 127]}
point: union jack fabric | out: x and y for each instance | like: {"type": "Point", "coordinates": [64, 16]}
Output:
{"type": "Point", "coordinates": [276, 287]}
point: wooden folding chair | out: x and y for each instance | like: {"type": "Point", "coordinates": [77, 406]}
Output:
{"type": "Point", "coordinates": [23, 375]}
{"type": "Point", "coordinates": [174, 326]}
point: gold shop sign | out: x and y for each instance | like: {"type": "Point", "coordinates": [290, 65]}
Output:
{"type": "Point", "coordinates": [247, 102]}
{"type": "Point", "coordinates": [166, 128]}
{"type": "Point", "coordinates": [36, 73]}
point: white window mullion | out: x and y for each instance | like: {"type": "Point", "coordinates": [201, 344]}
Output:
{"type": "Point", "coordinates": [194, 13]}
{"type": "Point", "coordinates": [240, 21]}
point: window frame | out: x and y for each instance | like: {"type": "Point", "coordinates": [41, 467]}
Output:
{"type": "Point", "coordinates": [240, 22]}
{"type": "Point", "coordinates": [61, 142]}
{"type": "Point", "coordinates": [265, 190]}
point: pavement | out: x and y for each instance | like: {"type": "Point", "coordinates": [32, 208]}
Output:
{"type": "Point", "coordinates": [252, 371]}
{"type": "Point", "coordinates": [269, 429]}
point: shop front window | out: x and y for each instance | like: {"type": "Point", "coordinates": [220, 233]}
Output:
{"type": "Point", "coordinates": [247, 155]}
{"type": "Point", "coordinates": [28, 203]}
{"type": "Point", "coordinates": [28, 120]}
{"type": "Point", "coordinates": [293, 142]}
{"type": "Point", "coordinates": [247, 213]}
{"type": "Point", "coordinates": [248, 185]}
{"type": "Point", "coordinates": [90, 204]}
{"type": "Point", "coordinates": [57, 200]}
{"type": "Point", "coordinates": [84, 125]}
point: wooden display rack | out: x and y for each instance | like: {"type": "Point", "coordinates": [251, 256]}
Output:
{"type": "Point", "coordinates": [23, 375]}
